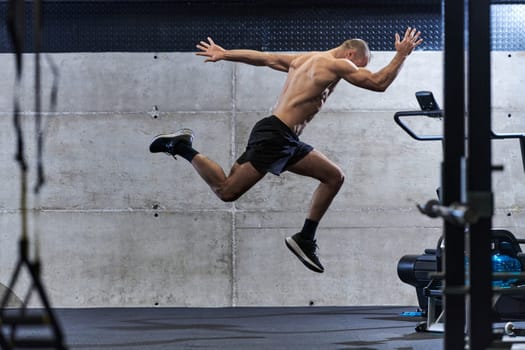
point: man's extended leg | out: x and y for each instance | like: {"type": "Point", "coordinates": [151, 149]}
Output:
{"type": "Point", "coordinates": [318, 166]}
{"type": "Point", "coordinates": [227, 188]}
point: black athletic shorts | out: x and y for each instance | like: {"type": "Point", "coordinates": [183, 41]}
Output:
{"type": "Point", "coordinates": [273, 146]}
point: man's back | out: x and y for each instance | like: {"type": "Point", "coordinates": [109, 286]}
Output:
{"type": "Point", "coordinates": [310, 80]}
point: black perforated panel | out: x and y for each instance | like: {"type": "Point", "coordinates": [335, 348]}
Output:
{"type": "Point", "coordinates": [140, 26]}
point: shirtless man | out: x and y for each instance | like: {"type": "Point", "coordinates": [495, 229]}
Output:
{"type": "Point", "coordinates": [274, 145]}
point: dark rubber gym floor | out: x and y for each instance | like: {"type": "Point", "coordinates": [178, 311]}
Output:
{"type": "Point", "coordinates": [320, 328]}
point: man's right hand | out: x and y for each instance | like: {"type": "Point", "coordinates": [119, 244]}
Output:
{"type": "Point", "coordinates": [211, 50]}
{"type": "Point", "coordinates": [410, 41]}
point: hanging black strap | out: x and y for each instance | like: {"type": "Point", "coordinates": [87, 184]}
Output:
{"type": "Point", "coordinates": [37, 42]}
{"type": "Point", "coordinates": [15, 25]}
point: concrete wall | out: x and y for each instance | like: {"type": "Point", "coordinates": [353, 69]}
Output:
{"type": "Point", "coordinates": [121, 227]}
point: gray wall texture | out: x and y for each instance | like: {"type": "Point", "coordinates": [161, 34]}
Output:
{"type": "Point", "coordinates": [119, 226]}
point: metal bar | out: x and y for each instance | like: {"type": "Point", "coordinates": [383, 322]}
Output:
{"type": "Point", "coordinates": [480, 175]}
{"type": "Point", "coordinates": [454, 151]}
{"type": "Point", "coordinates": [399, 121]}
{"type": "Point", "coordinates": [522, 148]}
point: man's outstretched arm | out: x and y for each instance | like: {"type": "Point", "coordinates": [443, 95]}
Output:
{"type": "Point", "coordinates": [381, 80]}
{"type": "Point", "coordinates": [216, 53]}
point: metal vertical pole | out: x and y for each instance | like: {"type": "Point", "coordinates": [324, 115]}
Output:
{"type": "Point", "coordinates": [452, 169]}
{"type": "Point", "coordinates": [480, 174]}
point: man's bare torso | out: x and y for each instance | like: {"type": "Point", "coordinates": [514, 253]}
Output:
{"type": "Point", "coordinates": [311, 79]}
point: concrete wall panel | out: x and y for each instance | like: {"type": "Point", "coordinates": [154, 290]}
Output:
{"type": "Point", "coordinates": [125, 82]}
{"type": "Point", "coordinates": [101, 161]}
{"type": "Point", "coordinates": [132, 258]}
{"type": "Point", "coordinates": [507, 81]}
{"type": "Point", "coordinates": [356, 248]}
{"type": "Point", "coordinates": [376, 156]}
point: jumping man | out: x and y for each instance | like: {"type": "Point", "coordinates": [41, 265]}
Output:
{"type": "Point", "coordinates": [274, 144]}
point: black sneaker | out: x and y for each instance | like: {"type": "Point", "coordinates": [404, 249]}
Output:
{"type": "Point", "coordinates": [306, 251]}
{"type": "Point", "coordinates": [166, 142]}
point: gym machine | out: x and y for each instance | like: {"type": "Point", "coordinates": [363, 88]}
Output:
{"type": "Point", "coordinates": [424, 271]}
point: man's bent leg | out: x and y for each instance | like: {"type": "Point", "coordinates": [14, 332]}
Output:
{"type": "Point", "coordinates": [315, 165]}
{"type": "Point", "coordinates": [318, 166]}
{"type": "Point", "coordinates": [228, 188]}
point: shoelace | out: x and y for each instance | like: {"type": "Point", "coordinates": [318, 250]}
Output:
{"type": "Point", "coordinates": [169, 148]}
{"type": "Point", "coordinates": [312, 246]}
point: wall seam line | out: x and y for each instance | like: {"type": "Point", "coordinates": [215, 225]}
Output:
{"type": "Point", "coordinates": [234, 286]}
